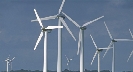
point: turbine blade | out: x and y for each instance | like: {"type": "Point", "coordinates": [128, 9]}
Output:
{"type": "Point", "coordinates": [108, 31]}
{"type": "Point", "coordinates": [108, 49]}
{"type": "Point", "coordinates": [79, 42]}
{"type": "Point", "coordinates": [39, 38]}
{"type": "Point", "coordinates": [71, 20]}
{"type": "Point", "coordinates": [38, 18]}
{"type": "Point", "coordinates": [13, 58]}
{"type": "Point", "coordinates": [92, 21]}
{"type": "Point", "coordinates": [94, 56]}
{"type": "Point", "coordinates": [64, 23]}
{"type": "Point", "coordinates": [131, 33]}
{"type": "Point", "coordinates": [129, 56]}
{"type": "Point", "coordinates": [110, 44]}
{"type": "Point", "coordinates": [53, 27]}
{"type": "Point", "coordinates": [105, 53]}
{"type": "Point", "coordinates": [46, 18]}
{"type": "Point", "coordinates": [93, 41]}
{"type": "Point", "coordinates": [123, 40]}
{"type": "Point", "coordinates": [60, 9]}
{"type": "Point", "coordinates": [105, 48]}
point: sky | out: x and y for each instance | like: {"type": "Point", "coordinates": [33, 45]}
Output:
{"type": "Point", "coordinates": [18, 34]}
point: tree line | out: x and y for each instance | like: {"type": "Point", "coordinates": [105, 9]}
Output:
{"type": "Point", "coordinates": [66, 70]}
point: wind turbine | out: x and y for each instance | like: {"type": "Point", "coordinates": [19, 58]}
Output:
{"type": "Point", "coordinates": [7, 61]}
{"type": "Point", "coordinates": [81, 39]}
{"type": "Point", "coordinates": [98, 50]}
{"type": "Point", "coordinates": [61, 21]}
{"type": "Point", "coordinates": [132, 50]}
{"type": "Point", "coordinates": [68, 60]}
{"type": "Point", "coordinates": [113, 41]}
{"type": "Point", "coordinates": [45, 31]}
{"type": "Point", "coordinates": [11, 61]}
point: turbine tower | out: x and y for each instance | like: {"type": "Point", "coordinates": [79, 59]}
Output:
{"type": "Point", "coordinates": [45, 31]}
{"type": "Point", "coordinates": [98, 50]}
{"type": "Point", "coordinates": [61, 22]}
{"type": "Point", "coordinates": [81, 39]}
{"type": "Point", "coordinates": [68, 60]}
{"type": "Point", "coordinates": [113, 41]}
{"type": "Point", "coordinates": [132, 50]}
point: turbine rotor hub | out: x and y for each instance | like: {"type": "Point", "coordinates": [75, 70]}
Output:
{"type": "Point", "coordinates": [43, 29]}
{"type": "Point", "coordinates": [61, 15]}
{"type": "Point", "coordinates": [83, 28]}
{"type": "Point", "coordinates": [100, 50]}
{"type": "Point", "coordinates": [48, 30]}
{"type": "Point", "coordinates": [114, 40]}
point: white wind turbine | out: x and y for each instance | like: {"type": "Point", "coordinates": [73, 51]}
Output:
{"type": "Point", "coordinates": [11, 62]}
{"type": "Point", "coordinates": [113, 43]}
{"type": "Point", "coordinates": [132, 50]}
{"type": "Point", "coordinates": [81, 39]}
{"type": "Point", "coordinates": [98, 50]}
{"type": "Point", "coordinates": [44, 30]}
{"type": "Point", "coordinates": [68, 60]}
{"type": "Point", "coordinates": [7, 61]}
{"type": "Point", "coordinates": [61, 21]}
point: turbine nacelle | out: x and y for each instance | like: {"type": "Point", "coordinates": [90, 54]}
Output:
{"type": "Point", "coordinates": [100, 50]}
{"type": "Point", "coordinates": [83, 28]}
{"type": "Point", "coordinates": [114, 40]}
{"type": "Point", "coordinates": [48, 30]}
{"type": "Point", "coordinates": [7, 60]}
{"type": "Point", "coordinates": [43, 29]}
{"type": "Point", "coordinates": [60, 15]}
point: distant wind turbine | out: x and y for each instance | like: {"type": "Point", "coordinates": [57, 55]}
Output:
{"type": "Point", "coordinates": [132, 50]}
{"type": "Point", "coordinates": [113, 43]}
{"type": "Point", "coordinates": [98, 50]}
{"type": "Point", "coordinates": [61, 22]}
{"type": "Point", "coordinates": [68, 60]}
{"type": "Point", "coordinates": [45, 31]}
{"type": "Point", "coordinates": [7, 61]}
{"type": "Point", "coordinates": [11, 61]}
{"type": "Point", "coordinates": [81, 39]}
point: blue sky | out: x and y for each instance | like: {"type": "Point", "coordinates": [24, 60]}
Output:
{"type": "Point", "coordinates": [18, 34]}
